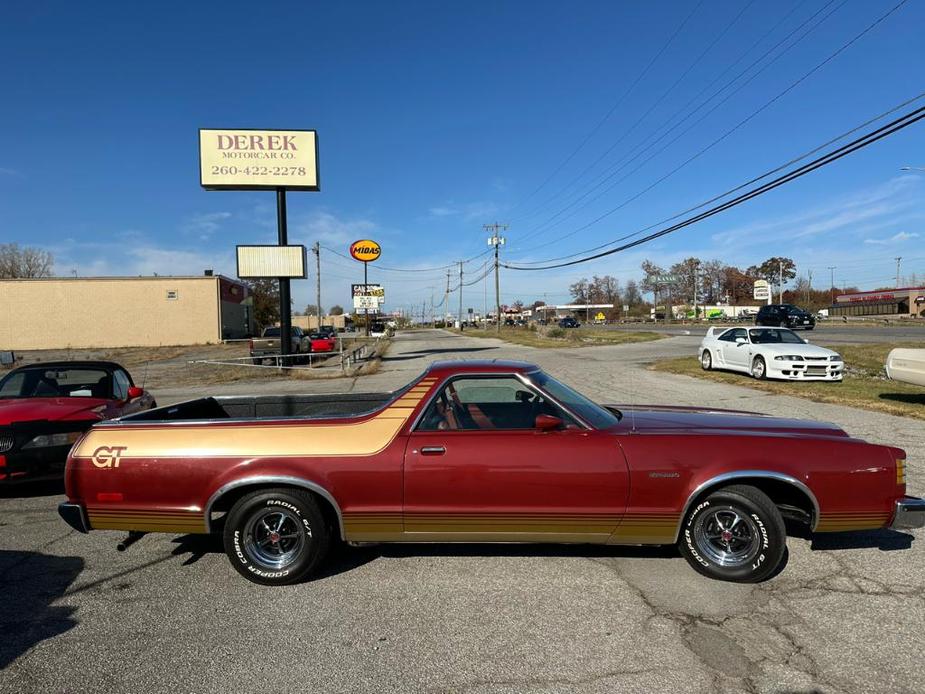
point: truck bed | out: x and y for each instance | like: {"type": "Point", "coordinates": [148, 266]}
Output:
{"type": "Point", "coordinates": [266, 407]}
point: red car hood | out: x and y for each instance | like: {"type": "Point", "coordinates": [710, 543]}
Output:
{"type": "Point", "coordinates": [53, 409]}
{"type": "Point", "coordinates": [656, 418]}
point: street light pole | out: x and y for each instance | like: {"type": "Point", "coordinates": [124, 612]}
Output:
{"type": "Point", "coordinates": [497, 241]}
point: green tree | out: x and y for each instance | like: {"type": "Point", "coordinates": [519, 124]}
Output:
{"type": "Point", "coordinates": [336, 310]}
{"type": "Point", "coordinates": [265, 296]}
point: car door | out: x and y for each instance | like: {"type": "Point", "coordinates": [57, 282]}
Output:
{"type": "Point", "coordinates": [477, 468]}
{"type": "Point", "coordinates": [735, 352]}
{"type": "Point", "coordinates": [120, 385]}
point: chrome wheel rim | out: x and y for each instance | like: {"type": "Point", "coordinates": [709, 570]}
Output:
{"type": "Point", "coordinates": [727, 536]}
{"type": "Point", "coordinates": [705, 360]}
{"type": "Point", "coordinates": [758, 368]}
{"type": "Point", "coordinates": [274, 538]}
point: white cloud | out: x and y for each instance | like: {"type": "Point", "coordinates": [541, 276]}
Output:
{"type": "Point", "coordinates": [469, 212]}
{"type": "Point", "coordinates": [895, 238]}
{"type": "Point", "coordinates": [5, 171]}
{"type": "Point", "coordinates": [330, 229]}
{"type": "Point", "coordinates": [204, 225]}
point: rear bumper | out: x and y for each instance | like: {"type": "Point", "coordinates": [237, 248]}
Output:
{"type": "Point", "coordinates": [910, 513]}
{"type": "Point", "coordinates": [75, 516]}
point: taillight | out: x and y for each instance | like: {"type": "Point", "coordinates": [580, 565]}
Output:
{"type": "Point", "coordinates": [901, 472]}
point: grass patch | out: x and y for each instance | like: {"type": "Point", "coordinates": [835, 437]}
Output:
{"type": "Point", "coordinates": [559, 337]}
{"type": "Point", "coordinates": [865, 385]}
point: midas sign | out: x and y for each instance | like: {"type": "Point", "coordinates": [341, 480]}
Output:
{"type": "Point", "coordinates": [365, 251]}
{"type": "Point", "coordinates": [258, 159]}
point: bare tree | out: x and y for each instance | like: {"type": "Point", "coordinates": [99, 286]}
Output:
{"type": "Point", "coordinates": [24, 262]}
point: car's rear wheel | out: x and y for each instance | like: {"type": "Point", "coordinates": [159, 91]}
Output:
{"type": "Point", "coordinates": [706, 360]}
{"type": "Point", "coordinates": [734, 534]}
{"type": "Point", "coordinates": [759, 368]}
{"type": "Point", "coordinates": [276, 536]}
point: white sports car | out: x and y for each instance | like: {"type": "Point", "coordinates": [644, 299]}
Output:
{"type": "Point", "coordinates": [769, 353]}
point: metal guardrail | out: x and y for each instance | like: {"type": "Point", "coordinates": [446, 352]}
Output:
{"type": "Point", "coordinates": [345, 357]}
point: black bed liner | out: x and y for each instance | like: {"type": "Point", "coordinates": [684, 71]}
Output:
{"type": "Point", "coordinates": [266, 407]}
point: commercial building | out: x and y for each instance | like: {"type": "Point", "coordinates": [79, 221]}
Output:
{"type": "Point", "coordinates": [309, 323]}
{"type": "Point", "coordinates": [907, 302]}
{"type": "Point", "coordinates": [83, 312]}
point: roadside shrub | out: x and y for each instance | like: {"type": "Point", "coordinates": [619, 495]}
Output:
{"type": "Point", "coordinates": [556, 332]}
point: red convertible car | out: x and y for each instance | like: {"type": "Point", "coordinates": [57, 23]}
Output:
{"type": "Point", "coordinates": [44, 409]}
{"type": "Point", "coordinates": [485, 451]}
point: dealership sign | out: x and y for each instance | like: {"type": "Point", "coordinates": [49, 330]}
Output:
{"type": "Point", "coordinates": [762, 290]}
{"type": "Point", "coordinates": [258, 159]}
{"type": "Point", "coordinates": [365, 251]}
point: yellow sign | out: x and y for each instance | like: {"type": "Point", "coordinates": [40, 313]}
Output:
{"type": "Point", "coordinates": [600, 316]}
{"type": "Point", "coordinates": [365, 251]}
{"type": "Point", "coordinates": [258, 159]}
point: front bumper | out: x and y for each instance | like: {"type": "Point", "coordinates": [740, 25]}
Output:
{"type": "Point", "coordinates": [75, 516]}
{"type": "Point", "coordinates": [910, 513]}
{"type": "Point", "coordinates": [33, 464]}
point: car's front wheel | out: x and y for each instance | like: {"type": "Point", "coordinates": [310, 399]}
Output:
{"type": "Point", "coordinates": [734, 534]}
{"type": "Point", "coordinates": [276, 536]}
{"type": "Point", "coordinates": [706, 360]}
{"type": "Point", "coordinates": [759, 368]}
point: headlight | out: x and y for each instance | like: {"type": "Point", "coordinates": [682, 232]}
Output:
{"type": "Point", "coordinates": [788, 357]}
{"type": "Point", "coordinates": [835, 357]}
{"type": "Point", "coordinates": [49, 440]}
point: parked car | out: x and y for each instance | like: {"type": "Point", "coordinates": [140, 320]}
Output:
{"type": "Point", "coordinates": [46, 407]}
{"type": "Point", "coordinates": [569, 322]}
{"type": "Point", "coordinates": [322, 343]}
{"type": "Point", "coordinates": [268, 344]}
{"type": "Point", "coordinates": [378, 329]}
{"type": "Point", "coordinates": [906, 365]}
{"type": "Point", "coordinates": [769, 353]}
{"type": "Point", "coordinates": [480, 451]}
{"type": "Point", "coordinates": [785, 316]}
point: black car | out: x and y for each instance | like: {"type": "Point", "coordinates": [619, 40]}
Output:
{"type": "Point", "coordinates": [569, 322]}
{"type": "Point", "coordinates": [785, 316]}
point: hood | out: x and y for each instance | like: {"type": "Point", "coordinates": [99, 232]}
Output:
{"type": "Point", "coordinates": [804, 350]}
{"type": "Point", "coordinates": [657, 419]}
{"type": "Point", "coordinates": [51, 409]}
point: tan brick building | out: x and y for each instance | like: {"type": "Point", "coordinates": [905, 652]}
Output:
{"type": "Point", "coordinates": [79, 312]}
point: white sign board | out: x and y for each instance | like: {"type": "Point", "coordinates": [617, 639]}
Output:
{"type": "Point", "coordinates": [271, 261]}
{"type": "Point", "coordinates": [258, 159]}
{"type": "Point", "coordinates": [762, 290]}
{"type": "Point", "coordinates": [366, 302]}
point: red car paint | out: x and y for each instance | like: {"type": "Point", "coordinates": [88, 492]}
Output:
{"type": "Point", "coordinates": [630, 483]}
{"type": "Point", "coordinates": [323, 344]}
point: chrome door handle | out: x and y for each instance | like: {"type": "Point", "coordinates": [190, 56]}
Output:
{"type": "Point", "coordinates": [433, 450]}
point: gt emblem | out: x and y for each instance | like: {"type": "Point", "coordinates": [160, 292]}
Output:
{"type": "Point", "coordinates": [107, 456]}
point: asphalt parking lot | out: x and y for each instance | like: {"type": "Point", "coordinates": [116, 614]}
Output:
{"type": "Point", "coordinates": [845, 615]}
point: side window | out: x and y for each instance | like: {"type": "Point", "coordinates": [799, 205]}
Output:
{"type": "Point", "coordinates": [483, 403]}
{"type": "Point", "coordinates": [13, 386]}
{"type": "Point", "coordinates": [732, 335]}
{"type": "Point", "coordinates": [120, 385]}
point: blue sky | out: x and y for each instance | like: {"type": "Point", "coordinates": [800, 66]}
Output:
{"type": "Point", "coordinates": [435, 118]}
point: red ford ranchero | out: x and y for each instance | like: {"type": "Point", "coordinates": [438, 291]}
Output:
{"type": "Point", "coordinates": [479, 451]}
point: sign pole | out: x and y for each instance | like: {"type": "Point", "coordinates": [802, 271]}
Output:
{"type": "Point", "coordinates": [366, 289]}
{"type": "Point", "coordinates": [285, 307]}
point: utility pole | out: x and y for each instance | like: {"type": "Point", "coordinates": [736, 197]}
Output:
{"type": "Point", "coordinates": [497, 241]}
{"type": "Point", "coordinates": [285, 304]}
{"type": "Point", "coordinates": [696, 268]}
{"type": "Point", "coordinates": [461, 327]}
{"type": "Point", "coordinates": [810, 289]}
{"type": "Point", "coordinates": [898, 261]}
{"type": "Point", "coordinates": [316, 249]}
{"type": "Point", "coordinates": [832, 269]}
{"type": "Point", "coordinates": [446, 296]}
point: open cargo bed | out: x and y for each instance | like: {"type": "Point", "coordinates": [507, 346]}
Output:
{"type": "Point", "coordinates": [266, 407]}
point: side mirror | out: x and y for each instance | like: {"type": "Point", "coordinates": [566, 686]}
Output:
{"type": "Point", "coordinates": [741, 340]}
{"type": "Point", "coordinates": [135, 392]}
{"type": "Point", "coordinates": [546, 422]}
{"type": "Point", "coordinates": [806, 340]}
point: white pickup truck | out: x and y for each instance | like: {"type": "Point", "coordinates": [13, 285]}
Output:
{"type": "Point", "coordinates": [906, 365]}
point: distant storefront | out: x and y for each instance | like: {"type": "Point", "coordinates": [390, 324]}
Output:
{"type": "Point", "coordinates": [906, 301]}
{"type": "Point", "coordinates": [81, 312]}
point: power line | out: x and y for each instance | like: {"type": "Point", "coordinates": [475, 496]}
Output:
{"type": "Point", "coordinates": [626, 133]}
{"type": "Point", "coordinates": [613, 108]}
{"type": "Point", "coordinates": [718, 140]}
{"type": "Point", "coordinates": [861, 142]}
{"type": "Point", "coordinates": [753, 180]}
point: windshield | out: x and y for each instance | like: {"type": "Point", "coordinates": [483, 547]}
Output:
{"type": "Point", "coordinates": [56, 383]}
{"type": "Point", "coordinates": [768, 336]}
{"type": "Point", "coordinates": [591, 412]}
{"type": "Point", "coordinates": [275, 332]}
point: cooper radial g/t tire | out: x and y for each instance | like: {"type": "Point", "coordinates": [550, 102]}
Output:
{"type": "Point", "coordinates": [734, 534]}
{"type": "Point", "coordinates": [276, 536]}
